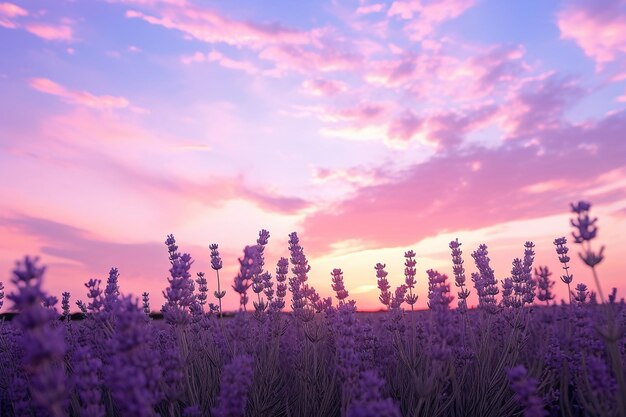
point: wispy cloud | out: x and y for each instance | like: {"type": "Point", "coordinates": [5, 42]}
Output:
{"type": "Point", "coordinates": [81, 98]}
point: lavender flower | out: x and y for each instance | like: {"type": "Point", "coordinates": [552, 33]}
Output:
{"type": "Point", "coordinates": [172, 248]}
{"type": "Point", "coordinates": [585, 226]}
{"type": "Point", "coordinates": [145, 298]}
{"type": "Point", "coordinates": [485, 281]}
{"type": "Point", "coordinates": [438, 290]}
{"type": "Point", "coordinates": [44, 345]}
{"type": "Point", "coordinates": [369, 401]}
{"type": "Point", "coordinates": [282, 269]}
{"type": "Point", "coordinates": [338, 286]}
{"type": "Point", "coordinates": [300, 291]}
{"type": "Point", "coordinates": [529, 284]}
{"type": "Point", "coordinates": [247, 267]}
{"type": "Point", "coordinates": [1, 294]}
{"type": "Point", "coordinates": [234, 387]}
{"type": "Point", "coordinates": [409, 274]}
{"type": "Point", "coordinates": [216, 264]}
{"type": "Point", "coordinates": [544, 284]}
{"type": "Point", "coordinates": [95, 295]}
{"type": "Point", "coordinates": [202, 289]}
{"type": "Point", "coordinates": [132, 371]}
{"type": "Point", "coordinates": [561, 250]}
{"type": "Point", "coordinates": [65, 305]}
{"type": "Point", "coordinates": [581, 293]}
{"type": "Point", "coordinates": [112, 290]}
{"type": "Point", "coordinates": [525, 389]}
{"type": "Point", "coordinates": [586, 231]}
{"type": "Point", "coordinates": [81, 306]}
{"type": "Point", "coordinates": [398, 297]}
{"type": "Point", "coordinates": [179, 294]}
{"type": "Point", "coordinates": [383, 285]}
{"type": "Point", "coordinates": [459, 274]}
{"type": "Point", "coordinates": [87, 380]}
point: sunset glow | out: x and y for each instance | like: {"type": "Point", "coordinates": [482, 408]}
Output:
{"type": "Point", "coordinates": [370, 128]}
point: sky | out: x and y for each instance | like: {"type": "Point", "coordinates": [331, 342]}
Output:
{"type": "Point", "coordinates": [369, 128]}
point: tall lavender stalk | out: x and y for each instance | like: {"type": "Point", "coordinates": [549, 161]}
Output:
{"type": "Point", "coordinates": [216, 265]}
{"type": "Point", "coordinates": [561, 250]}
{"type": "Point", "coordinates": [44, 345]}
{"type": "Point", "coordinates": [459, 274]}
{"type": "Point", "coordinates": [409, 275]}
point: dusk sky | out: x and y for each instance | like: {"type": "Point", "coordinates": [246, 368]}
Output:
{"type": "Point", "coordinates": [369, 128]}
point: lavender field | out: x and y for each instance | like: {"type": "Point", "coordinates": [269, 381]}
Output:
{"type": "Point", "coordinates": [289, 352]}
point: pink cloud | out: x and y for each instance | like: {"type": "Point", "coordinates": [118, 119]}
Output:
{"type": "Point", "coordinates": [306, 60]}
{"type": "Point", "coordinates": [211, 27]}
{"type": "Point", "coordinates": [323, 87]}
{"type": "Point", "coordinates": [476, 189]}
{"type": "Point", "coordinates": [51, 32]}
{"type": "Point", "coordinates": [9, 11]}
{"type": "Point", "coordinates": [405, 126]}
{"type": "Point", "coordinates": [370, 8]}
{"type": "Point", "coordinates": [81, 98]}
{"type": "Point", "coordinates": [224, 61]}
{"type": "Point", "coordinates": [599, 28]}
{"type": "Point", "coordinates": [424, 16]}
{"type": "Point", "coordinates": [538, 105]}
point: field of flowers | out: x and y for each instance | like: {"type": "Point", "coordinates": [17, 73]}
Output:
{"type": "Point", "coordinates": [290, 352]}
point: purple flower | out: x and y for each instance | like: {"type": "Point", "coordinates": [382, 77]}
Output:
{"type": "Point", "coordinates": [544, 284]}
{"type": "Point", "coordinates": [459, 274]}
{"type": "Point", "coordinates": [65, 305]}
{"type": "Point", "coordinates": [202, 288]}
{"type": "Point", "coordinates": [145, 298]}
{"type": "Point", "coordinates": [43, 342]}
{"type": "Point", "coordinates": [1, 294]}
{"type": "Point", "coordinates": [132, 370]}
{"type": "Point", "coordinates": [409, 276]}
{"type": "Point", "coordinates": [172, 365]}
{"type": "Point", "coordinates": [383, 284]}
{"type": "Point", "coordinates": [94, 293]}
{"type": "Point", "coordinates": [179, 294]}
{"type": "Point", "coordinates": [369, 401]}
{"type": "Point", "coordinates": [172, 249]}
{"type": "Point", "coordinates": [581, 293]}
{"type": "Point", "coordinates": [282, 269]}
{"type": "Point", "coordinates": [438, 290]}
{"type": "Point", "coordinates": [81, 306]}
{"type": "Point", "coordinates": [237, 378]}
{"type": "Point", "coordinates": [585, 226]}
{"type": "Point", "coordinates": [247, 267]}
{"type": "Point", "coordinates": [398, 297]}
{"type": "Point", "coordinates": [338, 286]}
{"type": "Point", "coordinates": [485, 281]}
{"type": "Point", "coordinates": [87, 380]}
{"type": "Point", "coordinates": [216, 260]}
{"type": "Point", "coordinates": [112, 290]}
{"type": "Point", "coordinates": [525, 389]}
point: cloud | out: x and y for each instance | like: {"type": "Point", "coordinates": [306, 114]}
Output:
{"type": "Point", "coordinates": [599, 28]}
{"type": "Point", "coordinates": [8, 12]}
{"type": "Point", "coordinates": [51, 32]}
{"type": "Point", "coordinates": [323, 87]}
{"type": "Point", "coordinates": [224, 61]}
{"type": "Point", "coordinates": [538, 104]}
{"type": "Point", "coordinates": [370, 8]}
{"type": "Point", "coordinates": [211, 27]}
{"type": "Point", "coordinates": [475, 189]}
{"type": "Point", "coordinates": [424, 16]}
{"type": "Point", "coordinates": [81, 98]}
